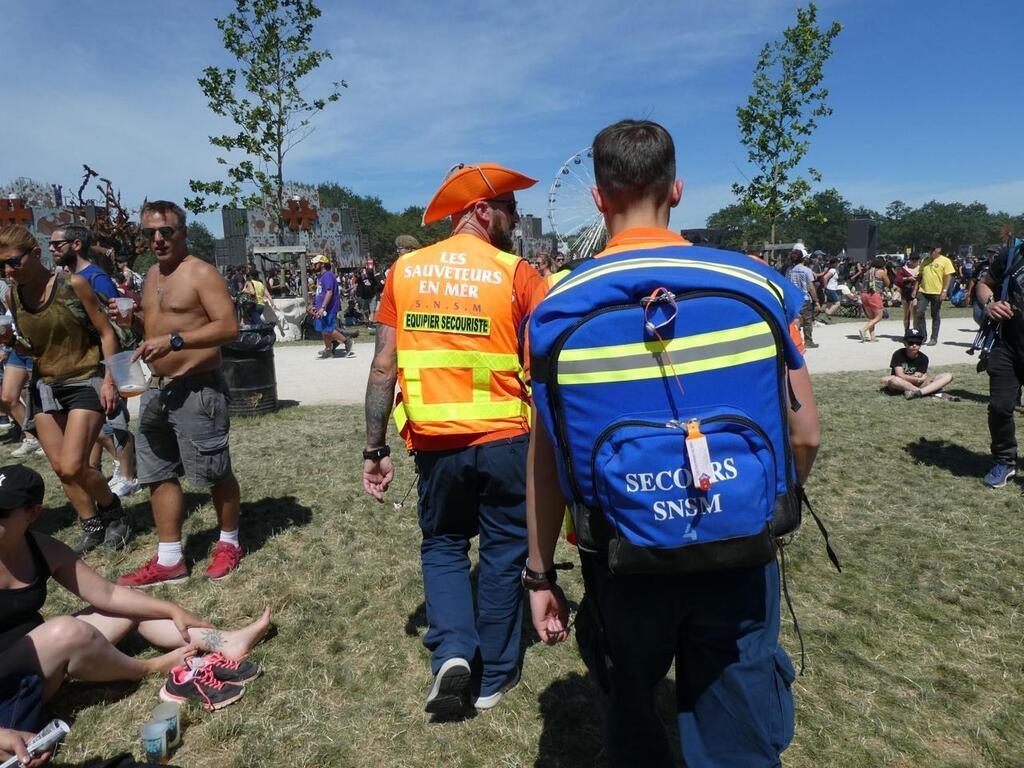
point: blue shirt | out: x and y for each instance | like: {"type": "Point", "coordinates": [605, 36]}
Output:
{"type": "Point", "coordinates": [100, 282]}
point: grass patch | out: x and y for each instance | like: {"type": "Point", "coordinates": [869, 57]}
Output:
{"type": "Point", "coordinates": [913, 652]}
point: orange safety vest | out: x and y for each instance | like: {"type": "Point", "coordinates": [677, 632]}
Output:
{"type": "Point", "coordinates": [458, 351]}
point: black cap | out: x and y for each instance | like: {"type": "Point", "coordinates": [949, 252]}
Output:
{"type": "Point", "coordinates": [914, 335]}
{"type": "Point", "coordinates": [20, 486]}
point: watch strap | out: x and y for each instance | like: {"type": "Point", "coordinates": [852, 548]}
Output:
{"type": "Point", "coordinates": [376, 454]}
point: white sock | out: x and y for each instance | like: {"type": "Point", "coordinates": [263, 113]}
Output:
{"type": "Point", "coordinates": [231, 537]}
{"type": "Point", "coordinates": [168, 553]}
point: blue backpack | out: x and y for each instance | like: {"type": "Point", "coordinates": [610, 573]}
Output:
{"type": "Point", "coordinates": [660, 373]}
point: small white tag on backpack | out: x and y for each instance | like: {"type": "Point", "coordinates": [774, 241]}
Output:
{"type": "Point", "coordinates": [699, 456]}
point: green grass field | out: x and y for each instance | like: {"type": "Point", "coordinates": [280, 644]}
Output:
{"type": "Point", "coordinates": [914, 652]}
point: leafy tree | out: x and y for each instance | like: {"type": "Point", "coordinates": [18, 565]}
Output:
{"type": "Point", "coordinates": [264, 97]}
{"type": "Point", "coordinates": [738, 227]}
{"type": "Point", "coordinates": [781, 114]}
{"type": "Point", "coordinates": [201, 242]}
{"type": "Point", "coordinates": [822, 222]}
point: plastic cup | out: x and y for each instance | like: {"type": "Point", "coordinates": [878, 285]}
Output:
{"type": "Point", "coordinates": [169, 713]}
{"type": "Point", "coordinates": [154, 742]}
{"type": "Point", "coordinates": [6, 321]}
{"type": "Point", "coordinates": [124, 305]}
{"type": "Point", "coordinates": [128, 376]}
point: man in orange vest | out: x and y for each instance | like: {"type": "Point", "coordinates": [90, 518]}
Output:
{"type": "Point", "coordinates": [448, 333]}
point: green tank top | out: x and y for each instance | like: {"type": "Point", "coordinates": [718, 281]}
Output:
{"type": "Point", "coordinates": [64, 344]}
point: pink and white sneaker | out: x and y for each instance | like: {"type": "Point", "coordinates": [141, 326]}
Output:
{"type": "Point", "coordinates": [201, 686]}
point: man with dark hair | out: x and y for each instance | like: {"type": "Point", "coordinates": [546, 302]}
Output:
{"type": "Point", "coordinates": [732, 679]}
{"type": "Point", "coordinates": [186, 316]}
{"type": "Point", "coordinates": [800, 275]}
{"type": "Point", "coordinates": [933, 281]}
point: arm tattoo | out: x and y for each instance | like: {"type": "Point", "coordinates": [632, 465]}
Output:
{"type": "Point", "coordinates": [380, 392]}
{"type": "Point", "coordinates": [212, 639]}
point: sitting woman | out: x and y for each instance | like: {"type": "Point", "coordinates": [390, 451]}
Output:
{"type": "Point", "coordinates": [82, 646]}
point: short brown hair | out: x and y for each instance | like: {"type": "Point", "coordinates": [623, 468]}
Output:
{"type": "Point", "coordinates": [16, 236]}
{"type": "Point", "coordinates": [634, 160]}
{"type": "Point", "coordinates": [163, 207]}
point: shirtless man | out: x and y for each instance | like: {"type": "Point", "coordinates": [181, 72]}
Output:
{"type": "Point", "coordinates": [186, 316]}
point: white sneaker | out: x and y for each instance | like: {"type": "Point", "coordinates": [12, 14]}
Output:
{"type": "Point", "coordinates": [482, 703]}
{"type": "Point", "coordinates": [28, 446]}
{"type": "Point", "coordinates": [116, 477]}
{"type": "Point", "coordinates": [125, 487]}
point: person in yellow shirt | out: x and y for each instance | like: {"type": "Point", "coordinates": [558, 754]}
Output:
{"type": "Point", "coordinates": [932, 288]}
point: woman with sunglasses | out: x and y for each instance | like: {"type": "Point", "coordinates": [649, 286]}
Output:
{"type": "Point", "coordinates": [82, 646]}
{"type": "Point", "coordinates": [60, 324]}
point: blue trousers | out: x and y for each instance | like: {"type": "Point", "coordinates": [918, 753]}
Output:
{"type": "Point", "coordinates": [462, 493]}
{"type": "Point", "coordinates": [733, 699]}
{"type": "Point", "coordinates": [21, 699]}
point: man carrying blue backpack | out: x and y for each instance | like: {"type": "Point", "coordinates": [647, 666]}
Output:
{"type": "Point", "coordinates": [678, 424]}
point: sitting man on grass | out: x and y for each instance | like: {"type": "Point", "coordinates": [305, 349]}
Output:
{"type": "Point", "coordinates": [909, 371]}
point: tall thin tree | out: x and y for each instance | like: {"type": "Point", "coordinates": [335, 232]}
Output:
{"type": "Point", "coordinates": [781, 114]}
{"type": "Point", "coordinates": [265, 98]}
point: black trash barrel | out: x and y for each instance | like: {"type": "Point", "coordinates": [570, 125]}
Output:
{"type": "Point", "coordinates": [248, 368]}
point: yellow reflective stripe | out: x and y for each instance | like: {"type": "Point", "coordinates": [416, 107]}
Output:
{"type": "Point", "coordinates": [654, 346]}
{"type": "Point", "coordinates": [738, 272]}
{"type": "Point", "coordinates": [503, 409]}
{"type": "Point", "coordinates": [508, 259]}
{"type": "Point", "coordinates": [664, 371]}
{"type": "Point", "coordinates": [429, 358]}
{"type": "Point", "coordinates": [399, 415]}
{"type": "Point", "coordinates": [481, 385]}
{"type": "Point", "coordinates": [412, 387]}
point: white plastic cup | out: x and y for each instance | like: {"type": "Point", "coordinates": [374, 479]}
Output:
{"type": "Point", "coordinates": [124, 305]}
{"type": "Point", "coordinates": [128, 376]}
{"type": "Point", "coordinates": [170, 714]}
{"type": "Point", "coordinates": [6, 321]}
{"type": "Point", "coordinates": [154, 742]}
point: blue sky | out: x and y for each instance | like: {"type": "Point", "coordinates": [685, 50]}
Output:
{"type": "Point", "coordinates": [927, 96]}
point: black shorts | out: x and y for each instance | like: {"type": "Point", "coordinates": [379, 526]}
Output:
{"type": "Point", "coordinates": [61, 398]}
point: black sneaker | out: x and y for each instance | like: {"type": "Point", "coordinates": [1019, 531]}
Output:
{"type": "Point", "coordinates": [93, 531]}
{"type": "Point", "coordinates": [200, 686]}
{"type": "Point", "coordinates": [226, 670]}
{"type": "Point", "coordinates": [118, 528]}
{"type": "Point", "coordinates": [449, 695]}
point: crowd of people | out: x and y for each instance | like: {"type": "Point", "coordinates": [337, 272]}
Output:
{"type": "Point", "coordinates": [453, 365]}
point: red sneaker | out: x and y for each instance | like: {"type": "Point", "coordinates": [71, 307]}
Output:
{"type": "Point", "coordinates": [225, 559]}
{"type": "Point", "coordinates": [152, 573]}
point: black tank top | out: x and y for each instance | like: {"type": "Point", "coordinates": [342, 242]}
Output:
{"type": "Point", "coordinates": [19, 607]}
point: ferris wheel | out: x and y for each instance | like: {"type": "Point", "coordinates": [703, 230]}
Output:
{"type": "Point", "coordinates": [574, 218]}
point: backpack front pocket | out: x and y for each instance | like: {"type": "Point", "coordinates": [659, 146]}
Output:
{"type": "Point", "coordinates": [648, 494]}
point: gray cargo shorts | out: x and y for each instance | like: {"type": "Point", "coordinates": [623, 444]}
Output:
{"type": "Point", "coordinates": [183, 430]}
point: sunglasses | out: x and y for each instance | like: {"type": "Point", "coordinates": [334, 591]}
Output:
{"type": "Point", "coordinates": [58, 243]}
{"type": "Point", "coordinates": [15, 262]}
{"type": "Point", "coordinates": [512, 206]}
{"type": "Point", "coordinates": [165, 232]}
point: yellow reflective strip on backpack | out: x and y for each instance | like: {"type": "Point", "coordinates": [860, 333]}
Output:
{"type": "Point", "coordinates": [683, 342]}
{"type": "Point", "coordinates": [428, 358]}
{"type": "Point", "coordinates": [665, 371]}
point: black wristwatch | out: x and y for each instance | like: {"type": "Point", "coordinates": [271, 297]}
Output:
{"type": "Point", "coordinates": [535, 581]}
{"type": "Point", "coordinates": [177, 343]}
{"type": "Point", "coordinates": [376, 454]}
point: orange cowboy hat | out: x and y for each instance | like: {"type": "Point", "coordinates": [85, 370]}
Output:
{"type": "Point", "coordinates": [465, 185]}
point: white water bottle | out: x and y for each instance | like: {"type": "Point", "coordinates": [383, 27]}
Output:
{"type": "Point", "coordinates": [44, 741]}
